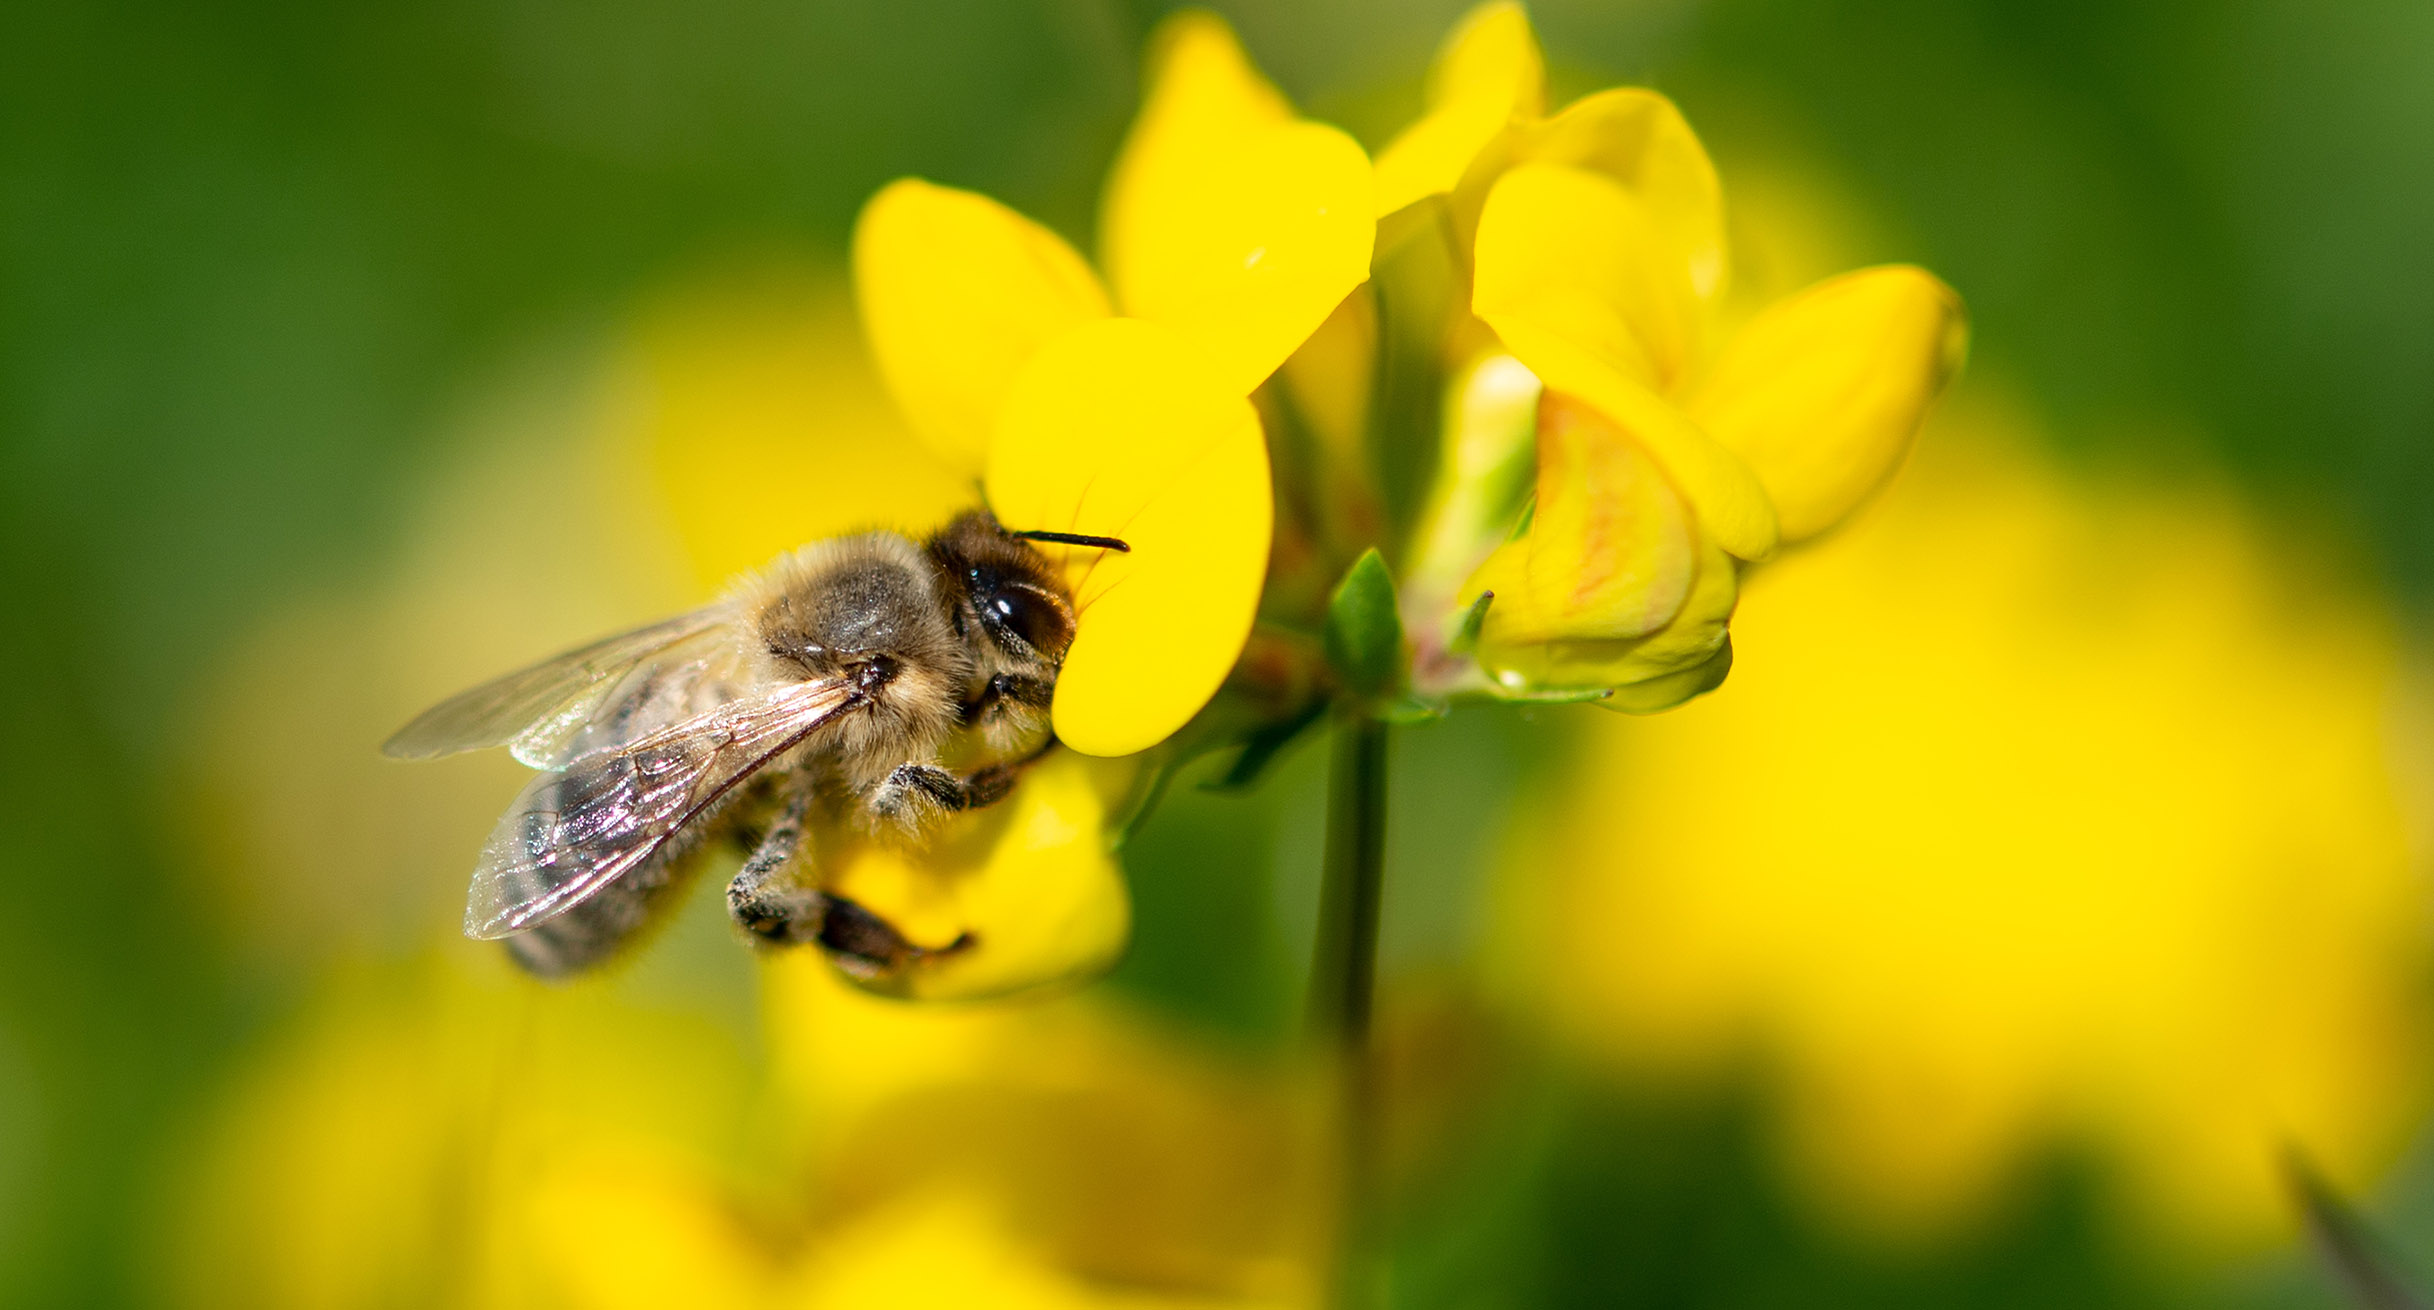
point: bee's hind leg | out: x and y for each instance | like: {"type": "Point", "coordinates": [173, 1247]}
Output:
{"type": "Point", "coordinates": [763, 899]}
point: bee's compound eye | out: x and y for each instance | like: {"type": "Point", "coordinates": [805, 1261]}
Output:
{"type": "Point", "coordinates": [1038, 620]}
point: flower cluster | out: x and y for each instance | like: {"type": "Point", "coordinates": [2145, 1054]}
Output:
{"type": "Point", "coordinates": [1499, 361]}
{"type": "Point", "coordinates": [1670, 452]}
{"type": "Point", "coordinates": [1121, 407]}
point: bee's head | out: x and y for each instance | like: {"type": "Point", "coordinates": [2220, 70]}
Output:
{"type": "Point", "coordinates": [1006, 593]}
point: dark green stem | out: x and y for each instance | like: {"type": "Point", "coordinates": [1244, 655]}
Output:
{"type": "Point", "coordinates": [1343, 975]}
{"type": "Point", "coordinates": [1343, 978]}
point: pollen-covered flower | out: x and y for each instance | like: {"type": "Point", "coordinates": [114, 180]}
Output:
{"type": "Point", "coordinates": [1118, 408]}
{"type": "Point", "coordinates": [1671, 454]}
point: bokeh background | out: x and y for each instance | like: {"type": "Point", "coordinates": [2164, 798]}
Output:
{"type": "Point", "coordinates": [2055, 857]}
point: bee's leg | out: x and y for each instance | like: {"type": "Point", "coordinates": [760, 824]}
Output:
{"type": "Point", "coordinates": [1011, 709]}
{"type": "Point", "coordinates": [867, 947]}
{"type": "Point", "coordinates": [767, 903]}
{"type": "Point", "coordinates": [1009, 689]}
{"type": "Point", "coordinates": [762, 899]}
{"type": "Point", "coordinates": [910, 791]}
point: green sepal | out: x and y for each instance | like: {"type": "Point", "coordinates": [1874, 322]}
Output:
{"type": "Point", "coordinates": [1465, 638]}
{"type": "Point", "coordinates": [1262, 748]}
{"type": "Point", "coordinates": [1408, 709]}
{"type": "Point", "coordinates": [1364, 632]}
{"type": "Point", "coordinates": [1553, 695]}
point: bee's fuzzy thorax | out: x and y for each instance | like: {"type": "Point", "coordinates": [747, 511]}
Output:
{"type": "Point", "coordinates": [866, 608]}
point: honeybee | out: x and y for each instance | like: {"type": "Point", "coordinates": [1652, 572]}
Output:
{"type": "Point", "coordinates": [830, 683]}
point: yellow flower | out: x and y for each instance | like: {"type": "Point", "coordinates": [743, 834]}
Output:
{"type": "Point", "coordinates": [1231, 230]}
{"type": "Point", "coordinates": [2059, 814]}
{"type": "Point", "coordinates": [603, 1149]}
{"type": "Point", "coordinates": [1665, 464]}
{"type": "Point", "coordinates": [1112, 1147]}
{"type": "Point", "coordinates": [414, 1139]}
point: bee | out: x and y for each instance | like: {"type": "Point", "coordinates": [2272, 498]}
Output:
{"type": "Point", "coordinates": [832, 683]}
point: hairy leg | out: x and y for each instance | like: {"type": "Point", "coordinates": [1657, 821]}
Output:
{"type": "Point", "coordinates": [765, 899]}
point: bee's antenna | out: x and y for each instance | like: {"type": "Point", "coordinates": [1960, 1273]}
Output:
{"type": "Point", "coordinates": [1115, 544]}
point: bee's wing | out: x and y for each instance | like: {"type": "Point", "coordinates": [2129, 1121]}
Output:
{"type": "Point", "coordinates": [557, 691]}
{"type": "Point", "coordinates": [685, 679]}
{"type": "Point", "coordinates": [576, 830]}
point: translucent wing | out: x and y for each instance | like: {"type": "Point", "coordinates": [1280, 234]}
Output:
{"type": "Point", "coordinates": [576, 830]}
{"type": "Point", "coordinates": [557, 691]}
{"type": "Point", "coordinates": [683, 680]}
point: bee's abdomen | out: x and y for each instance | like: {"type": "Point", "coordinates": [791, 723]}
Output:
{"type": "Point", "coordinates": [610, 919]}
{"type": "Point", "coordinates": [594, 930]}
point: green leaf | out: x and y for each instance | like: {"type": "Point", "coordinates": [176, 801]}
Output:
{"type": "Point", "coordinates": [1364, 633]}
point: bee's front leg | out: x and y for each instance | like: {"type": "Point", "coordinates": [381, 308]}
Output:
{"type": "Point", "coordinates": [913, 792]}
{"type": "Point", "coordinates": [762, 900]}
{"type": "Point", "coordinates": [1009, 693]}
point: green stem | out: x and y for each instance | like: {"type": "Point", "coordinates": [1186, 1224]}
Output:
{"type": "Point", "coordinates": [1343, 978]}
{"type": "Point", "coordinates": [1343, 975]}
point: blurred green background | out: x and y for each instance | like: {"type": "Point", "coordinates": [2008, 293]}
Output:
{"type": "Point", "coordinates": [253, 256]}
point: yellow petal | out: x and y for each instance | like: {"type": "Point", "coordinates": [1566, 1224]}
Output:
{"type": "Point", "coordinates": [1200, 83]}
{"type": "Point", "coordinates": [1228, 219]}
{"type": "Point", "coordinates": [1655, 672]}
{"type": "Point", "coordinates": [957, 291]}
{"type": "Point", "coordinates": [1823, 392]}
{"type": "Point", "coordinates": [1488, 75]}
{"type": "Point", "coordinates": [1665, 691]}
{"type": "Point", "coordinates": [1568, 321]}
{"type": "Point", "coordinates": [1640, 140]}
{"type": "Point", "coordinates": [1124, 429]}
{"type": "Point", "coordinates": [1569, 254]}
{"type": "Point", "coordinates": [1329, 378]}
{"type": "Point", "coordinates": [1031, 881]}
{"type": "Point", "coordinates": [1731, 503]}
{"type": "Point", "coordinates": [1610, 551]}
{"type": "Point", "coordinates": [1486, 465]}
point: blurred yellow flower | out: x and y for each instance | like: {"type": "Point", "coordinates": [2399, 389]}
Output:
{"type": "Point", "coordinates": [391, 1148]}
{"type": "Point", "coordinates": [1232, 229]}
{"type": "Point", "coordinates": [451, 1138]}
{"type": "Point", "coordinates": [1130, 1154]}
{"type": "Point", "coordinates": [1596, 249]}
{"type": "Point", "coordinates": [2049, 810]}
